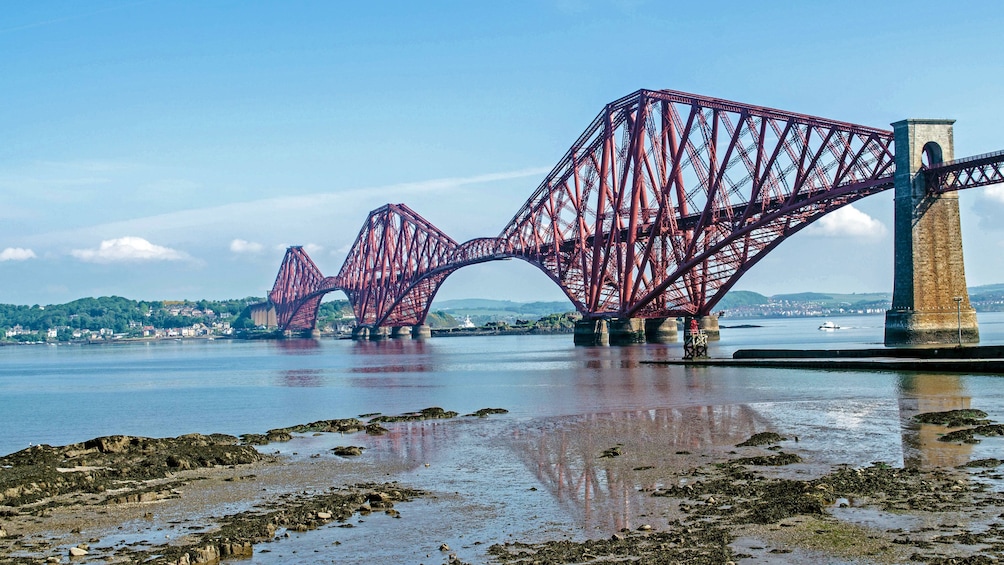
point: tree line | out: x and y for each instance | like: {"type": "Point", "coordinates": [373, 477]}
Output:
{"type": "Point", "coordinates": [118, 314]}
{"type": "Point", "coordinates": [122, 314]}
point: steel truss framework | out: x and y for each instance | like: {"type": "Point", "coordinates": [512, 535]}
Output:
{"type": "Point", "coordinates": [656, 210]}
{"type": "Point", "coordinates": [970, 172]}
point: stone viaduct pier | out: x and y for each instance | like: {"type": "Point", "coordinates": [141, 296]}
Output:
{"type": "Point", "coordinates": [930, 303]}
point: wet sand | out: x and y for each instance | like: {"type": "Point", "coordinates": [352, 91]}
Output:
{"type": "Point", "coordinates": [661, 485]}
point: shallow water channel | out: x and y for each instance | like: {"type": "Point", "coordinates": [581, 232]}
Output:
{"type": "Point", "coordinates": [532, 474]}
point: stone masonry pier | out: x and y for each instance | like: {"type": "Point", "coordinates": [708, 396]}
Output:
{"type": "Point", "coordinates": [930, 303]}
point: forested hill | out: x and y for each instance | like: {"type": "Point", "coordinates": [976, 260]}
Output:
{"type": "Point", "coordinates": [118, 314]}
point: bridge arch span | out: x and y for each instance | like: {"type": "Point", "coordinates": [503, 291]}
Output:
{"type": "Point", "coordinates": [656, 210]}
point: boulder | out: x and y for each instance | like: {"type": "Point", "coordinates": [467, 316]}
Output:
{"type": "Point", "coordinates": [236, 549]}
{"type": "Point", "coordinates": [205, 555]}
{"type": "Point", "coordinates": [111, 444]}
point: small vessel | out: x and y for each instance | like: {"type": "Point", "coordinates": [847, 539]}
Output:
{"type": "Point", "coordinates": [828, 326]}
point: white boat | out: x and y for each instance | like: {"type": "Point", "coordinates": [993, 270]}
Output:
{"type": "Point", "coordinates": [829, 326]}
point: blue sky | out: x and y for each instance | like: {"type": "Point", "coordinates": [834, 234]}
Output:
{"type": "Point", "coordinates": [166, 150]}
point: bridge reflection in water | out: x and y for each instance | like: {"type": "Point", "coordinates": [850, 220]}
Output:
{"type": "Point", "coordinates": [919, 394]}
{"type": "Point", "coordinates": [564, 454]}
{"type": "Point", "coordinates": [502, 457]}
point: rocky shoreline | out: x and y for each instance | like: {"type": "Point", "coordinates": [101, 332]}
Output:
{"type": "Point", "coordinates": [738, 505]}
{"type": "Point", "coordinates": [44, 488]}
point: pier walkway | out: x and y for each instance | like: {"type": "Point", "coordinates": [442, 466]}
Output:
{"type": "Point", "coordinates": [983, 360]}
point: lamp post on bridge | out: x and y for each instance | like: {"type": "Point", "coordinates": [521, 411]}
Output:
{"type": "Point", "coordinates": [958, 313]}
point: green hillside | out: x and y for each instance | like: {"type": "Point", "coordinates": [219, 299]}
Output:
{"type": "Point", "coordinates": [987, 289]}
{"type": "Point", "coordinates": [802, 297]}
{"type": "Point", "coordinates": [467, 306]}
{"type": "Point", "coordinates": [832, 299]}
{"type": "Point", "coordinates": [740, 298]}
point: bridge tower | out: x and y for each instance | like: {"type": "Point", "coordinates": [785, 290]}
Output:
{"type": "Point", "coordinates": [930, 302]}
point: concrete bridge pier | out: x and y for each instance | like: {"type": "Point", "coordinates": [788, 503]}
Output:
{"type": "Point", "coordinates": [421, 331]}
{"type": "Point", "coordinates": [379, 333]}
{"type": "Point", "coordinates": [930, 302]}
{"type": "Point", "coordinates": [400, 332]}
{"type": "Point", "coordinates": [591, 332]}
{"type": "Point", "coordinates": [661, 330]}
{"type": "Point", "coordinates": [709, 324]}
{"type": "Point", "coordinates": [314, 333]}
{"type": "Point", "coordinates": [626, 331]}
{"type": "Point", "coordinates": [361, 333]}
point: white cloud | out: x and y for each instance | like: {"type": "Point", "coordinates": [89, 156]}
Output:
{"type": "Point", "coordinates": [243, 246]}
{"type": "Point", "coordinates": [847, 222]}
{"type": "Point", "coordinates": [995, 193]}
{"type": "Point", "coordinates": [295, 215]}
{"type": "Point", "coordinates": [128, 249]}
{"type": "Point", "coordinates": [328, 219]}
{"type": "Point", "coordinates": [16, 254]}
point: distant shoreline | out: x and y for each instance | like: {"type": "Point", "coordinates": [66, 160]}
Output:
{"type": "Point", "coordinates": [465, 332]}
{"type": "Point", "coordinates": [124, 340]}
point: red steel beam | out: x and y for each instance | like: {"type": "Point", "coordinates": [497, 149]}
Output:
{"type": "Point", "coordinates": [647, 254]}
{"type": "Point", "coordinates": [657, 209]}
{"type": "Point", "coordinates": [970, 172]}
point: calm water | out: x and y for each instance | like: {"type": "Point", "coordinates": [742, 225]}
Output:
{"type": "Point", "coordinates": [533, 474]}
{"type": "Point", "coordinates": [65, 394]}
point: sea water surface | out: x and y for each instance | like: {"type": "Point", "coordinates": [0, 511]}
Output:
{"type": "Point", "coordinates": [71, 393]}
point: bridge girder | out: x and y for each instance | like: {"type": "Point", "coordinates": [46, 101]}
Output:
{"type": "Point", "coordinates": [656, 210]}
{"type": "Point", "coordinates": [295, 292]}
{"type": "Point", "coordinates": [970, 172]}
{"type": "Point", "coordinates": [666, 199]}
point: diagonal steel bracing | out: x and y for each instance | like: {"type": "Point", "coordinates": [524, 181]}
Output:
{"type": "Point", "coordinates": [656, 210]}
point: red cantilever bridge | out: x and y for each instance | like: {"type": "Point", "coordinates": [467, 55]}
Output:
{"type": "Point", "coordinates": [655, 212]}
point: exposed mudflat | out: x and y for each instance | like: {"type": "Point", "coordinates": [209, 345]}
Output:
{"type": "Point", "coordinates": [759, 498]}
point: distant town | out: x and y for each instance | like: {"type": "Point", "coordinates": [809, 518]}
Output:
{"type": "Point", "coordinates": [110, 319]}
{"type": "Point", "coordinates": [745, 304]}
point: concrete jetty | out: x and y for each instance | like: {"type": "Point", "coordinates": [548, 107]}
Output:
{"type": "Point", "coordinates": [982, 359]}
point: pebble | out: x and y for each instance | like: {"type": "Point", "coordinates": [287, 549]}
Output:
{"type": "Point", "coordinates": [77, 552]}
{"type": "Point", "coordinates": [644, 528]}
{"type": "Point", "coordinates": [324, 515]}
{"type": "Point", "coordinates": [444, 548]}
